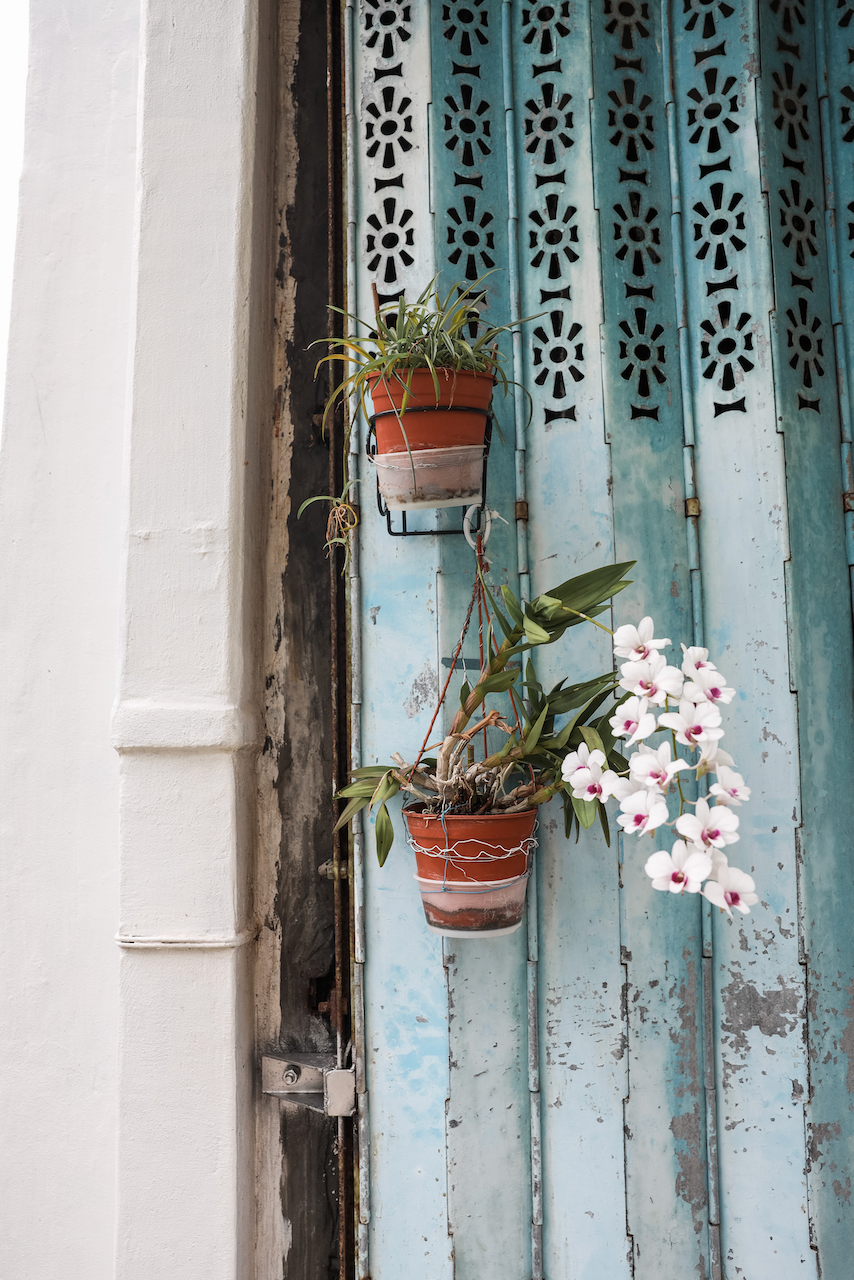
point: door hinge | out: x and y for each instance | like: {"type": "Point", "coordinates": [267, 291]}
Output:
{"type": "Point", "coordinates": [310, 1080]}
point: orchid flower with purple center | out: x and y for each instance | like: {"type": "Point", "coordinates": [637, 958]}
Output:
{"type": "Point", "coordinates": [636, 643]}
{"type": "Point", "coordinates": [693, 723]}
{"type": "Point", "coordinates": [729, 788]}
{"type": "Point", "coordinates": [695, 659]}
{"type": "Point", "coordinates": [683, 870]}
{"type": "Point", "coordinates": [592, 781]}
{"type": "Point", "coordinates": [652, 679]}
{"type": "Point", "coordinates": [707, 826]}
{"type": "Point", "coordinates": [642, 812]}
{"type": "Point", "coordinates": [633, 720]}
{"type": "Point", "coordinates": [731, 888]}
{"type": "Point", "coordinates": [708, 685]}
{"type": "Point", "coordinates": [654, 768]}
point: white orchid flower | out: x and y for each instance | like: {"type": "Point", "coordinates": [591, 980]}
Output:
{"type": "Point", "coordinates": [654, 768]}
{"type": "Point", "coordinates": [636, 643]}
{"type": "Point", "coordinates": [729, 788]}
{"type": "Point", "coordinates": [712, 757]}
{"type": "Point", "coordinates": [731, 888]}
{"type": "Point", "coordinates": [708, 685]}
{"type": "Point", "coordinates": [652, 679]}
{"type": "Point", "coordinates": [576, 760]}
{"type": "Point", "coordinates": [694, 724]}
{"type": "Point", "coordinates": [695, 659]}
{"type": "Point", "coordinates": [717, 826]}
{"type": "Point", "coordinates": [593, 782]}
{"type": "Point", "coordinates": [633, 720]}
{"type": "Point", "coordinates": [642, 812]}
{"type": "Point", "coordinates": [683, 870]}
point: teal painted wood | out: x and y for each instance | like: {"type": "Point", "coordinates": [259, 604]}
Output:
{"type": "Point", "coordinates": [405, 988]}
{"type": "Point", "coordinates": [450, 1144]}
{"type": "Point", "coordinates": [583, 1060]}
{"type": "Point", "coordinates": [488, 1126]}
{"type": "Point", "coordinates": [819, 604]}
{"type": "Point", "coordinates": [835, 42]}
{"type": "Point", "coordinates": [759, 991]}
{"type": "Point", "coordinates": [665, 1112]}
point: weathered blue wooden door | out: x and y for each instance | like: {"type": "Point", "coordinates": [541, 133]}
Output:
{"type": "Point", "coordinates": [631, 1086]}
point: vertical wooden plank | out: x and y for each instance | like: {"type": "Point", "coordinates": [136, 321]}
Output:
{"type": "Point", "coordinates": [405, 991]}
{"type": "Point", "coordinates": [759, 989]}
{"type": "Point", "coordinates": [489, 1179]}
{"type": "Point", "coordinates": [662, 947]}
{"type": "Point", "coordinates": [819, 602]}
{"type": "Point", "coordinates": [583, 1058]}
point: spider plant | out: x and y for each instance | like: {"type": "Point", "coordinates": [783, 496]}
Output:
{"type": "Point", "coordinates": [430, 333]}
{"type": "Point", "coordinates": [526, 771]}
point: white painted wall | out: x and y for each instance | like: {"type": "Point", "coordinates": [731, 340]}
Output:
{"type": "Point", "coordinates": [13, 83]}
{"type": "Point", "coordinates": [60, 582]}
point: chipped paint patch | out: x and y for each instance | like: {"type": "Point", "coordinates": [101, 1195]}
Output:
{"type": "Point", "coordinates": [422, 692]}
{"type": "Point", "coordinates": [691, 1178]}
{"type": "Point", "coordinates": [776, 1012]}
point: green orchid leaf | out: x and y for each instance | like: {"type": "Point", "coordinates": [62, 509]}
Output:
{"type": "Point", "coordinates": [512, 606]}
{"type": "Point", "coordinates": [603, 820]}
{"type": "Point", "coordinates": [384, 834]}
{"type": "Point", "coordinates": [591, 737]}
{"type": "Point", "coordinates": [585, 812]}
{"type": "Point", "coordinates": [352, 809]}
{"type": "Point", "coordinates": [534, 633]}
{"type": "Point", "coordinates": [532, 738]}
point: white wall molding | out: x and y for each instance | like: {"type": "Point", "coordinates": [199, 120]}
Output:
{"type": "Point", "coordinates": [201, 943]}
{"type": "Point", "coordinates": [185, 722]}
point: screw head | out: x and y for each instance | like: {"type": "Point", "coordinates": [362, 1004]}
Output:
{"type": "Point", "coordinates": [291, 1075]}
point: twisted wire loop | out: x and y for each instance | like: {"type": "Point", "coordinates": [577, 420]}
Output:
{"type": "Point", "coordinates": [453, 857]}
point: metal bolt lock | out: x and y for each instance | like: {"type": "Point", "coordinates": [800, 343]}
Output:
{"type": "Point", "coordinates": [291, 1075]}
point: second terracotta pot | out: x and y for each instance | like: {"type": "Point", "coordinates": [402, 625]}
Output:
{"type": "Point", "coordinates": [472, 872]}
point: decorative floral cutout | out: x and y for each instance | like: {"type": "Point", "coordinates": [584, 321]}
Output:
{"type": "Point", "coordinates": [638, 234]}
{"type": "Point", "coordinates": [790, 104]}
{"type": "Point", "coordinates": [792, 12]}
{"type": "Point", "coordinates": [553, 237]}
{"type": "Point", "coordinates": [631, 120]}
{"type": "Point", "coordinates": [806, 346]}
{"type": "Point", "coordinates": [799, 227]}
{"type": "Point", "coordinates": [714, 110]}
{"type": "Point", "coordinates": [557, 354]}
{"type": "Point", "coordinates": [629, 18]}
{"type": "Point", "coordinates": [705, 9]}
{"type": "Point", "coordinates": [718, 225]}
{"type": "Point", "coordinates": [471, 239]}
{"type": "Point", "coordinates": [642, 352]}
{"type": "Point", "coordinates": [468, 125]}
{"type": "Point", "coordinates": [548, 123]}
{"type": "Point", "coordinates": [725, 346]}
{"type": "Point", "coordinates": [542, 22]}
{"type": "Point", "coordinates": [392, 237]}
{"type": "Point", "coordinates": [387, 128]}
{"type": "Point", "coordinates": [845, 114]}
{"type": "Point", "coordinates": [466, 20]}
{"type": "Point", "coordinates": [385, 22]}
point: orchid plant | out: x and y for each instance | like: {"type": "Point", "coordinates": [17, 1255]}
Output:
{"type": "Point", "coordinates": [687, 702]}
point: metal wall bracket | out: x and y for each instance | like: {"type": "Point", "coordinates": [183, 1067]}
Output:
{"type": "Point", "coordinates": [310, 1080]}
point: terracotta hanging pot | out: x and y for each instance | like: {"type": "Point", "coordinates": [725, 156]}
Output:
{"type": "Point", "coordinates": [443, 465]}
{"type": "Point", "coordinates": [472, 872]}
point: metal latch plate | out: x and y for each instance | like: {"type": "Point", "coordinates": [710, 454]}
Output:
{"type": "Point", "coordinates": [310, 1080]}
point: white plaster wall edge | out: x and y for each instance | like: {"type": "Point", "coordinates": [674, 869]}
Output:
{"type": "Point", "coordinates": [202, 942]}
{"type": "Point", "coordinates": [143, 725]}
